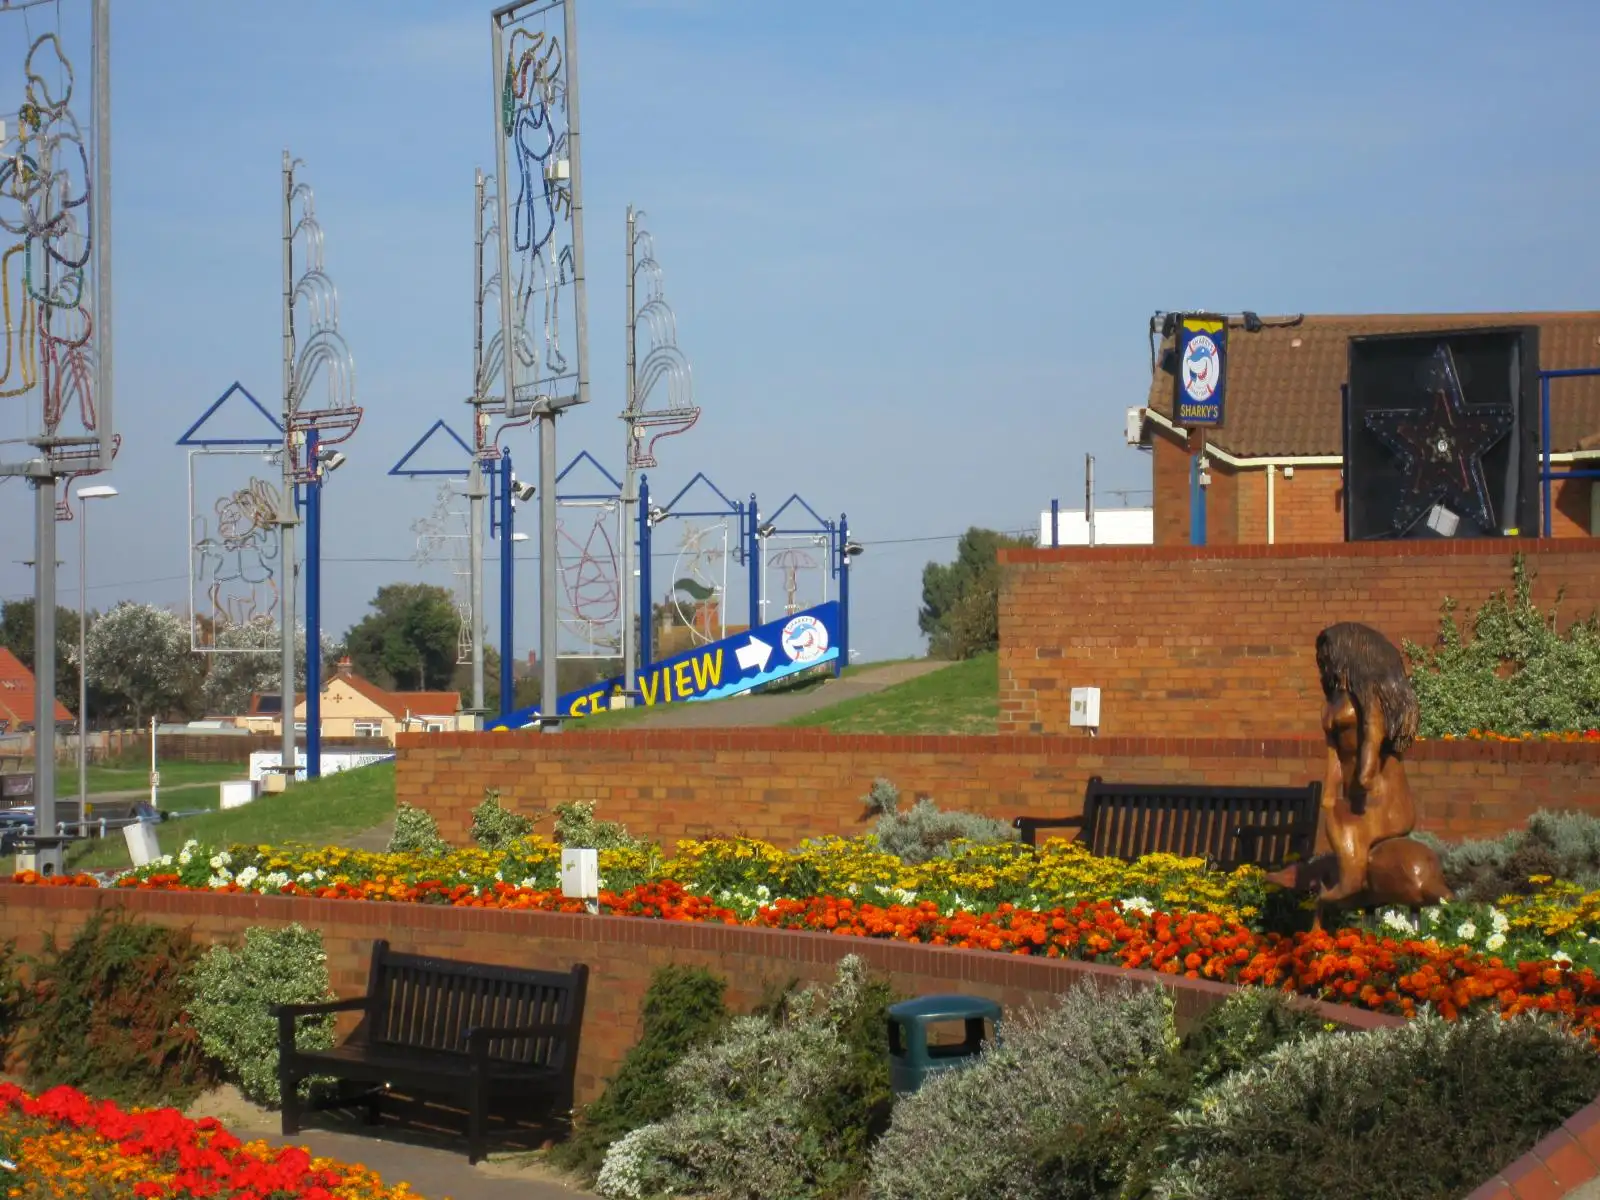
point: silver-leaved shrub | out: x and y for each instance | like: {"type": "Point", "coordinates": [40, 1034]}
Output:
{"type": "Point", "coordinates": [233, 994]}
{"type": "Point", "coordinates": [984, 1130]}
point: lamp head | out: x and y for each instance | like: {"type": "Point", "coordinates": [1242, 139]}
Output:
{"type": "Point", "coordinates": [766, 529]}
{"type": "Point", "coordinates": [331, 459]}
{"type": "Point", "coordinates": [99, 491]}
{"type": "Point", "coordinates": [520, 491]}
{"type": "Point", "coordinates": [853, 550]}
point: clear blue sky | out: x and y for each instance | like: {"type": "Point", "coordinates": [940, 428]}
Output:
{"type": "Point", "coordinates": [912, 246]}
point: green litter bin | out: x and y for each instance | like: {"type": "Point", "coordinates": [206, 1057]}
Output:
{"type": "Point", "coordinates": [913, 1057]}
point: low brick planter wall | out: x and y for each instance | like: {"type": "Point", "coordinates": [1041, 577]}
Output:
{"type": "Point", "coordinates": [622, 953]}
{"type": "Point", "coordinates": [785, 785]}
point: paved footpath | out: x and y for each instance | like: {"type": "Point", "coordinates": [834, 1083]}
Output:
{"type": "Point", "coordinates": [743, 712]}
{"type": "Point", "coordinates": [434, 1174]}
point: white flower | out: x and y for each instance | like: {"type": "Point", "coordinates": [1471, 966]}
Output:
{"type": "Point", "coordinates": [1139, 905]}
{"type": "Point", "coordinates": [1561, 956]}
{"type": "Point", "coordinates": [218, 881]}
{"type": "Point", "coordinates": [530, 883]}
{"type": "Point", "coordinates": [903, 895]}
{"type": "Point", "coordinates": [1431, 915]}
{"type": "Point", "coordinates": [304, 878]}
{"type": "Point", "coordinates": [320, 873]}
{"type": "Point", "coordinates": [1395, 919]}
{"type": "Point", "coordinates": [185, 856]}
{"type": "Point", "coordinates": [1466, 931]}
{"type": "Point", "coordinates": [246, 877]}
{"type": "Point", "coordinates": [762, 893]}
{"type": "Point", "coordinates": [1500, 922]}
{"type": "Point", "coordinates": [278, 880]}
{"type": "Point", "coordinates": [1494, 941]}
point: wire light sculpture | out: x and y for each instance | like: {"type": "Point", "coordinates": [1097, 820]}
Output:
{"type": "Point", "coordinates": [589, 536]}
{"type": "Point", "coordinates": [700, 577]}
{"type": "Point", "coordinates": [663, 362]}
{"type": "Point", "coordinates": [51, 270]}
{"type": "Point", "coordinates": [321, 352]}
{"type": "Point", "coordinates": [238, 560]}
{"type": "Point", "coordinates": [539, 194]}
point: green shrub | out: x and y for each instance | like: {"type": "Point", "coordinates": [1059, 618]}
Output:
{"type": "Point", "coordinates": [576, 825]}
{"type": "Point", "coordinates": [11, 994]}
{"type": "Point", "coordinates": [495, 827]}
{"type": "Point", "coordinates": [1561, 845]}
{"type": "Point", "coordinates": [416, 832]}
{"type": "Point", "coordinates": [109, 1014]}
{"type": "Point", "coordinates": [1424, 1111]}
{"type": "Point", "coordinates": [233, 993]}
{"type": "Point", "coordinates": [987, 1130]}
{"type": "Point", "coordinates": [682, 1009]}
{"type": "Point", "coordinates": [1516, 674]}
{"type": "Point", "coordinates": [776, 1108]}
{"type": "Point", "coordinates": [1117, 1150]}
{"type": "Point", "coordinates": [927, 831]}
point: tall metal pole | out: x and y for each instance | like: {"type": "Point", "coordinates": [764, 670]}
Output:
{"type": "Point", "coordinates": [753, 557]}
{"type": "Point", "coordinates": [844, 594]}
{"type": "Point", "coordinates": [646, 613]}
{"type": "Point", "coordinates": [44, 670]}
{"type": "Point", "coordinates": [475, 482]}
{"type": "Point", "coordinates": [286, 518]}
{"type": "Point", "coordinates": [629, 478]}
{"type": "Point", "coordinates": [1088, 493]}
{"type": "Point", "coordinates": [83, 675]}
{"type": "Point", "coordinates": [548, 597]}
{"type": "Point", "coordinates": [314, 610]}
{"type": "Point", "coordinates": [580, 286]}
{"type": "Point", "coordinates": [507, 589]}
{"type": "Point", "coordinates": [100, 223]}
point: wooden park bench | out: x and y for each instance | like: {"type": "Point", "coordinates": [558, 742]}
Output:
{"type": "Point", "coordinates": [1228, 826]}
{"type": "Point", "coordinates": [468, 1031]}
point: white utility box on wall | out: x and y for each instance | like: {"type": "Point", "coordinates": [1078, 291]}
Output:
{"type": "Point", "coordinates": [580, 874]}
{"type": "Point", "coordinates": [1085, 707]}
{"type": "Point", "coordinates": [236, 793]}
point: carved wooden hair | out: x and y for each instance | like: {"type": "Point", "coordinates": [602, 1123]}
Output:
{"type": "Point", "coordinates": [1357, 659]}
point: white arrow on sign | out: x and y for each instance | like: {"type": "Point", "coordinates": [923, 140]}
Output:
{"type": "Point", "coordinates": [754, 655]}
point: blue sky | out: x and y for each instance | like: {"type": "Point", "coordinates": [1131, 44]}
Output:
{"type": "Point", "coordinates": [912, 247]}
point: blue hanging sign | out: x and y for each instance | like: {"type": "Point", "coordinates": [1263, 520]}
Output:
{"type": "Point", "coordinates": [747, 660]}
{"type": "Point", "coordinates": [1202, 370]}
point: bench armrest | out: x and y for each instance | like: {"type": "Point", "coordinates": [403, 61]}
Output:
{"type": "Point", "coordinates": [287, 1014]}
{"type": "Point", "coordinates": [1029, 827]}
{"type": "Point", "coordinates": [315, 1010]}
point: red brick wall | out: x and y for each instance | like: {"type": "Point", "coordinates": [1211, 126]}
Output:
{"type": "Point", "coordinates": [621, 952]}
{"type": "Point", "coordinates": [1307, 507]}
{"type": "Point", "coordinates": [1218, 641]}
{"type": "Point", "coordinates": [788, 785]}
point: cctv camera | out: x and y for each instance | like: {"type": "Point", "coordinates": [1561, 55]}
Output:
{"type": "Point", "coordinates": [522, 491]}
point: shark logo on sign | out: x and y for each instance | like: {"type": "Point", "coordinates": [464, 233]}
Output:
{"type": "Point", "coordinates": [805, 639]}
{"type": "Point", "coordinates": [737, 664]}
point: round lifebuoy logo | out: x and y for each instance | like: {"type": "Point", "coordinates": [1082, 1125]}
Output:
{"type": "Point", "coordinates": [805, 639]}
{"type": "Point", "coordinates": [1202, 369]}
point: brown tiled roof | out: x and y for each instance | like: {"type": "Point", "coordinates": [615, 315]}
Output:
{"type": "Point", "coordinates": [427, 704]}
{"type": "Point", "coordinates": [17, 695]}
{"type": "Point", "coordinates": [1283, 382]}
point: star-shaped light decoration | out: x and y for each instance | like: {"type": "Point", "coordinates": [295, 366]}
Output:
{"type": "Point", "coordinates": [1441, 447]}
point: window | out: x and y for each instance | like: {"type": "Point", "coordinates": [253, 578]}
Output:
{"type": "Point", "coordinates": [299, 726]}
{"type": "Point", "coordinates": [435, 726]}
{"type": "Point", "coordinates": [369, 729]}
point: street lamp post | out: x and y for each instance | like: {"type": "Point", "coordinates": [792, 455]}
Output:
{"type": "Point", "coordinates": [85, 494]}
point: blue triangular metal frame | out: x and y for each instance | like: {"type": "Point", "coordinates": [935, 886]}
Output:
{"type": "Point", "coordinates": [823, 525]}
{"type": "Point", "coordinates": [733, 508]}
{"type": "Point", "coordinates": [593, 462]}
{"type": "Point", "coordinates": [189, 439]}
{"type": "Point", "coordinates": [400, 467]}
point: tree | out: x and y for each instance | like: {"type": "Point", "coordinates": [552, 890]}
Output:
{"type": "Point", "coordinates": [960, 614]}
{"type": "Point", "coordinates": [253, 664]}
{"type": "Point", "coordinates": [410, 639]}
{"type": "Point", "coordinates": [138, 656]}
{"type": "Point", "coordinates": [16, 635]}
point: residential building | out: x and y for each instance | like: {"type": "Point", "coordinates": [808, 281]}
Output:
{"type": "Point", "coordinates": [353, 707]}
{"type": "Point", "coordinates": [18, 697]}
{"type": "Point", "coordinates": [1276, 464]}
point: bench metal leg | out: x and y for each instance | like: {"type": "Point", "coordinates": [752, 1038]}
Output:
{"type": "Point", "coordinates": [477, 1114]}
{"type": "Point", "coordinates": [289, 1095]}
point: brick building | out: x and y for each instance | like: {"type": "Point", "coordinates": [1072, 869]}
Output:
{"type": "Point", "coordinates": [1276, 465]}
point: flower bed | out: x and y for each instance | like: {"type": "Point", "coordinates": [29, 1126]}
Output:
{"type": "Point", "coordinates": [1489, 735]}
{"type": "Point", "coordinates": [62, 1144]}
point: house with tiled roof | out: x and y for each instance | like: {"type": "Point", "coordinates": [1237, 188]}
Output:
{"type": "Point", "coordinates": [18, 696]}
{"type": "Point", "coordinates": [353, 707]}
{"type": "Point", "coordinates": [1275, 467]}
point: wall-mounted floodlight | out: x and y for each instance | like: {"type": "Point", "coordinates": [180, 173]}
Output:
{"type": "Point", "coordinates": [853, 550]}
{"type": "Point", "coordinates": [519, 537]}
{"type": "Point", "coordinates": [522, 491]}
{"type": "Point", "coordinates": [657, 514]}
{"type": "Point", "coordinates": [332, 460]}
{"type": "Point", "coordinates": [766, 530]}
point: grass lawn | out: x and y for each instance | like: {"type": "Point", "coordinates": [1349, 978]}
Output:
{"type": "Point", "coordinates": [316, 812]}
{"type": "Point", "coordinates": [132, 777]}
{"type": "Point", "coordinates": [961, 698]}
